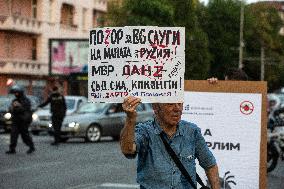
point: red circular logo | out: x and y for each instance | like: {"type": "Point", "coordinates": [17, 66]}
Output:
{"type": "Point", "coordinates": [246, 107]}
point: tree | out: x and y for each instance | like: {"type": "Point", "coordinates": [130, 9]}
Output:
{"type": "Point", "coordinates": [168, 13]}
{"type": "Point", "coordinates": [264, 33]}
{"type": "Point", "coordinates": [222, 25]}
{"type": "Point", "coordinates": [197, 57]}
{"type": "Point", "coordinates": [221, 21]}
{"type": "Point", "coordinates": [138, 13]}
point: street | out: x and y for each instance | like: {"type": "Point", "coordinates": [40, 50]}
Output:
{"type": "Point", "coordinates": [77, 165]}
{"type": "Point", "coordinates": [276, 177]}
{"type": "Point", "coordinates": [72, 165]}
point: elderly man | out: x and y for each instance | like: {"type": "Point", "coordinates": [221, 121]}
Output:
{"type": "Point", "coordinates": [155, 168]}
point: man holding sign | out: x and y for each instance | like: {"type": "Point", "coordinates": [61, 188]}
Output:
{"type": "Point", "coordinates": [136, 61]}
{"type": "Point", "coordinates": [149, 62]}
{"type": "Point", "coordinates": [155, 167]}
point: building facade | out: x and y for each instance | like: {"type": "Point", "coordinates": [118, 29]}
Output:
{"type": "Point", "coordinates": [26, 28]}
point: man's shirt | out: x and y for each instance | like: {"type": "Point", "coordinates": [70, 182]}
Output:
{"type": "Point", "coordinates": [155, 167]}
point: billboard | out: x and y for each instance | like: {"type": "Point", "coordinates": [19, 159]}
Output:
{"type": "Point", "coordinates": [68, 56]}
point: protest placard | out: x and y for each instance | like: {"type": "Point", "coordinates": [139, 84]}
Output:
{"type": "Point", "coordinates": [142, 61]}
{"type": "Point", "coordinates": [232, 118]}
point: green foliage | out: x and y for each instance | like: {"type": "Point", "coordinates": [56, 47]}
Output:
{"type": "Point", "coordinates": [212, 33]}
{"type": "Point", "coordinates": [141, 13]}
{"type": "Point", "coordinates": [116, 14]}
{"type": "Point", "coordinates": [222, 26]}
{"type": "Point", "coordinates": [261, 28]}
{"type": "Point", "coordinates": [168, 13]}
{"type": "Point", "coordinates": [263, 31]}
{"type": "Point", "coordinates": [267, 25]}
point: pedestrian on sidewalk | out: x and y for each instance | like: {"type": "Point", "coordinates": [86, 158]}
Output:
{"type": "Point", "coordinates": [232, 74]}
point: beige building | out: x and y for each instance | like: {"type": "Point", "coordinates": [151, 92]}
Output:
{"type": "Point", "coordinates": [26, 27]}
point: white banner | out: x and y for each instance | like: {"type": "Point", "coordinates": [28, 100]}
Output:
{"type": "Point", "coordinates": [231, 125]}
{"type": "Point", "coordinates": [147, 62]}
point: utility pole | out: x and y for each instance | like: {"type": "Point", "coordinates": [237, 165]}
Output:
{"type": "Point", "coordinates": [241, 36]}
{"type": "Point", "coordinates": [262, 59]}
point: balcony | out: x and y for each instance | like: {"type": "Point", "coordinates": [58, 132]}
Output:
{"type": "Point", "coordinates": [25, 67]}
{"type": "Point", "coordinates": [72, 28]}
{"type": "Point", "coordinates": [22, 24]}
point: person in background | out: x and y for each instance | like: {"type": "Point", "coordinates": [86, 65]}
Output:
{"type": "Point", "coordinates": [155, 168]}
{"type": "Point", "coordinates": [273, 110]}
{"type": "Point", "coordinates": [20, 110]}
{"type": "Point", "coordinates": [233, 74]}
{"type": "Point", "coordinates": [58, 111]}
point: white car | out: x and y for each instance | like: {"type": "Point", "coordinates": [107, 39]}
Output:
{"type": "Point", "coordinates": [42, 117]}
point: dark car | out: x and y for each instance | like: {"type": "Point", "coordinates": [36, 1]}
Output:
{"type": "Point", "coordinates": [5, 115]}
{"type": "Point", "coordinates": [94, 120]}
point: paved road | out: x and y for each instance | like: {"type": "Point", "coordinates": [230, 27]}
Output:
{"type": "Point", "coordinates": [77, 165]}
{"type": "Point", "coordinates": [72, 165]}
{"type": "Point", "coordinates": [276, 177]}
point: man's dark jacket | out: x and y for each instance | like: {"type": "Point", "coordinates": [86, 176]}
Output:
{"type": "Point", "coordinates": [23, 112]}
{"type": "Point", "coordinates": [57, 104]}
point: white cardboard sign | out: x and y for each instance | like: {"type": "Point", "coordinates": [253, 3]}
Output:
{"type": "Point", "coordinates": [147, 62]}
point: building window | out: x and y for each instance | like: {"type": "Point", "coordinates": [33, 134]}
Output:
{"type": "Point", "coordinates": [34, 9]}
{"type": "Point", "coordinates": [34, 56]}
{"type": "Point", "coordinates": [67, 14]}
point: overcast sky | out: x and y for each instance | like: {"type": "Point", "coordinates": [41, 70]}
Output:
{"type": "Point", "coordinates": [248, 1]}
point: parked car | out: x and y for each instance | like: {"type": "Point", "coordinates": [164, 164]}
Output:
{"type": "Point", "coordinates": [94, 120]}
{"type": "Point", "coordinates": [42, 117]}
{"type": "Point", "coordinates": [5, 115]}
